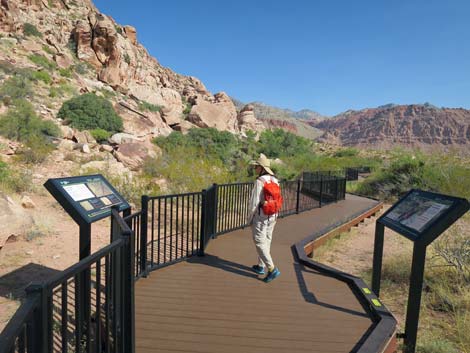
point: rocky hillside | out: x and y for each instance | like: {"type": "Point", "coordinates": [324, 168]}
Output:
{"type": "Point", "coordinates": [286, 119]}
{"type": "Point", "coordinates": [88, 51]}
{"type": "Point", "coordinates": [423, 126]}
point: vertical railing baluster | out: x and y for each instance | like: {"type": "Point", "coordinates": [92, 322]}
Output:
{"type": "Point", "coordinates": [98, 307]}
{"type": "Point", "coordinates": [164, 230]}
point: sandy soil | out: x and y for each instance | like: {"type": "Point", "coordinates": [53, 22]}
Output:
{"type": "Point", "coordinates": [36, 254]}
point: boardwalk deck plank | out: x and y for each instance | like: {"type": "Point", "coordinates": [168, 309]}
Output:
{"type": "Point", "coordinates": [216, 304]}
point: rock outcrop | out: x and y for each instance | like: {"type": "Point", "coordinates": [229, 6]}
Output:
{"type": "Point", "coordinates": [410, 125]}
{"type": "Point", "coordinates": [119, 62]}
{"type": "Point", "coordinates": [247, 120]}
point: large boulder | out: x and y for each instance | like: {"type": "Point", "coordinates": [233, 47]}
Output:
{"type": "Point", "coordinates": [247, 120]}
{"type": "Point", "coordinates": [83, 34]}
{"type": "Point", "coordinates": [132, 155]}
{"type": "Point", "coordinates": [221, 114]}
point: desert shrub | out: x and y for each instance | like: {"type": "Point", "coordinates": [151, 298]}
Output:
{"type": "Point", "coordinates": [16, 87]}
{"type": "Point", "coordinates": [146, 106]}
{"type": "Point", "coordinates": [188, 169]}
{"type": "Point", "coordinates": [42, 61]}
{"type": "Point", "coordinates": [100, 135]}
{"type": "Point", "coordinates": [62, 90]}
{"type": "Point", "coordinates": [89, 112]}
{"type": "Point", "coordinates": [435, 345]}
{"type": "Point", "coordinates": [81, 68]}
{"type": "Point", "coordinates": [66, 72]}
{"type": "Point", "coordinates": [21, 123]}
{"type": "Point", "coordinates": [127, 58]}
{"type": "Point", "coordinates": [346, 152]}
{"type": "Point", "coordinates": [14, 180]}
{"type": "Point", "coordinates": [442, 173]}
{"type": "Point", "coordinates": [47, 49]}
{"type": "Point", "coordinates": [31, 30]}
{"type": "Point", "coordinates": [279, 143]}
{"type": "Point", "coordinates": [221, 145]}
{"type": "Point", "coordinates": [7, 67]}
{"type": "Point", "coordinates": [42, 76]}
{"type": "Point", "coordinates": [397, 269]}
{"type": "Point", "coordinates": [394, 180]}
{"type": "Point", "coordinates": [35, 151]}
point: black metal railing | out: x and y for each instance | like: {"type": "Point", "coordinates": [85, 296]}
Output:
{"type": "Point", "coordinates": [86, 308]}
{"type": "Point", "coordinates": [173, 229]}
{"type": "Point", "coordinates": [89, 307]}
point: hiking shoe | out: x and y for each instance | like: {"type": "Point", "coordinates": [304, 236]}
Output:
{"type": "Point", "coordinates": [272, 275]}
{"type": "Point", "coordinates": [258, 269]}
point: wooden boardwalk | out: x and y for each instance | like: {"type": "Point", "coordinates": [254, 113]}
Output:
{"type": "Point", "coordinates": [217, 304]}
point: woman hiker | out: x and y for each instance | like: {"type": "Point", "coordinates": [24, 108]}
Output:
{"type": "Point", "coordinates": [264, 216]}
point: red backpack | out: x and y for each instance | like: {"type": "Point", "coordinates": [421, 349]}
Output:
{"type": "Point", "coordinates": [272, 197]}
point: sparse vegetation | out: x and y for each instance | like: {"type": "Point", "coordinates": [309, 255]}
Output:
{"type": "Point", "coordinates": [31, 30]}
{"type": "Point", "coordinates": [89, 112]}
{"type": "Point", "coordinates": [62, 90]}
{"type": "Point", "coordinates": [42, 76]}
{"type": "Point", "coordinates": [14, 180]}
{"type": "Point", "coordinates": [127, 58]}
{"type": "Point", "coordinates": [16, 87]}
{"type": "Point", "coordinates": [21, 123]}
{"type": "Point", "coordinates": [66, 72]}
{"type": "Point", "coordinates": [42, 61]}
{"type": "Point", "coordinates": [146, 106]}
{"type": "Point", "coordinates": [100, 135]}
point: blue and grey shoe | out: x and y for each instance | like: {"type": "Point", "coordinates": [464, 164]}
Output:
{"type": "Point", "coordinates": [258, 269]}
{"type": "Point", "coordinates": [272, 275]}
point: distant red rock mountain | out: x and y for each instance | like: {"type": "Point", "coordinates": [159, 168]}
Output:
{"type": "Point", "coordinates": [422, 125]}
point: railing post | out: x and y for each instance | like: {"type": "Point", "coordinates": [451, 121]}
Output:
{"type": "Point", "coordinates": [202, 237]}
{"type": "Point", "coordinates": [321, 190]}
{"type": "Point", "coordinates": [127, 288]}
{"type": "Point", "coordinates": [144, 235]}
{"type": "Point", "coordinates": [297, 206]}
{"type": "Point", "coordinates": [215, 214]}
{"type": "Point", "coordinates": [336, 187]}
{"type": "Point", "coordinates": [39, 330]}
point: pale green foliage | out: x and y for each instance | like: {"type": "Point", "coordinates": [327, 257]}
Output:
{"type": "Point", "coordinates": [188, 170]}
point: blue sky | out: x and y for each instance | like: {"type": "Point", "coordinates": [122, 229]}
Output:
{"type": "Point", "coordinates": [324, 55]}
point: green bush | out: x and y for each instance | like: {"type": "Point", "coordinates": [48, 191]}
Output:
{"type": "Point", "coordinates": [146, 106]}
{"type": "Point", "coordinates": [442, 173]}
{"type": "Point", "coordinates": [14, 180]}
{"type": "Point", "coordinates": [42, 76]}
{"type": "Point", "coordinates": [62, 90]}
{"type": "Point", "coordinates": [35, 151]}
{"type": "Point", "coordinates": [435, 345]}
{"type": "Point", "coordinates": [279, 143]}
{"type": "Point", "coordinates": [21, 123]}
{"type": "Point", "coordinates": [216, 144]}
{"type": "Point", "coordinates": [42, 61]}
{"type": "Point", "coordinates": [100, 135]}
{"type": "Point", "coordinates": [16, 87]}
{"type": "Point", "coordinates": [31, 30]}
{"type": "Point", "coordinates": [89, 112]}
{"type": "Point", "coordinates": [47, 49]}
{"type": "Point", "coordinates": [346, 152]}
{"type": "Point", "coordinates": [66, 72]}
{"type": "Point", "coordinates": [127, 58]}
{"type": "Point", "coordinates": [188, 169]}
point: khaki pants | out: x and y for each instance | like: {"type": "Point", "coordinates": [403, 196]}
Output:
{"type": "Point", "coordinates": [262, 230]}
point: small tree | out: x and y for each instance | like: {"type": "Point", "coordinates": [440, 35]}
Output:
{"type": "Point", "coordinates": [89, 112]}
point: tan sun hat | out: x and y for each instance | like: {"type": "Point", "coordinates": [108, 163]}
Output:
{"type": "Point", "coordinates": [264, 162]}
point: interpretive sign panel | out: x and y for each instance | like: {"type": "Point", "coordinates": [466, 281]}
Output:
{"type": "Point", "coordinates": [86, 198]}
{"type": "Point", "coordinates": [418, 212]}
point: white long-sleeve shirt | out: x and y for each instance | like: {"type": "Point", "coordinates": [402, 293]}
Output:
{"type": "Point", "coordinates": [257, 196]}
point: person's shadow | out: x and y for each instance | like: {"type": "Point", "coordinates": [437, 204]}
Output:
{"type": "Point", "coordinates": [225, 265]}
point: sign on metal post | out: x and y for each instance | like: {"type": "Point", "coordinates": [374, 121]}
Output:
{"type": "Point", "coordinates": [86, 199]}
{"type": "Point", "coordinates": [421, 217]}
